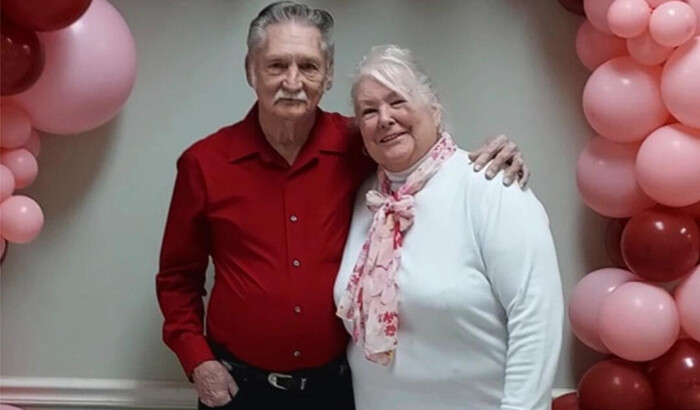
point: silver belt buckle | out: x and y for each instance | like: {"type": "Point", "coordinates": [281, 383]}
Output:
{"type": "Point", "coordinates": [272, 378]}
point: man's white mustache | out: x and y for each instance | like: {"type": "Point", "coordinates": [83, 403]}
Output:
{"type": "Point", "coordinates": [286, 95]}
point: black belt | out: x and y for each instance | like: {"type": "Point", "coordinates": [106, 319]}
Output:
{"type": "Point", "coordinates": [297, 380]}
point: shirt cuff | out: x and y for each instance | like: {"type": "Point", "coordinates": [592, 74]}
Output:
{"type": "Point", "coordinates": [194, 352]}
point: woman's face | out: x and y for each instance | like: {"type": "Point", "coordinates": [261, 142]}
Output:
{"type": "Point", "coordinates": [396, 132]}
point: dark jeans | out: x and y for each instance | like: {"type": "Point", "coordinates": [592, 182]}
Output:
{"type": "Point", "coordinates": [331, 393]}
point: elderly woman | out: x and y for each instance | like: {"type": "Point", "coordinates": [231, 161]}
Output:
{"type": "Point", "coordinates": [449, 284]}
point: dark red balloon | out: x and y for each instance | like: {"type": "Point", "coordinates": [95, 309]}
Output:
{"type": "Point", "coordinates": [674, 373]}
{"type": "Point", "coordinates": [22, 58]}
{"type": "Point", "coordinates": [44, 15]}
{"type": "Point", "coordinates": [661, 245]}
{"type": "Point", "coordinates": [690, 399]}
{"type": "Point", "coordinates": [615, 384]}
{"type": "Point", "coordinates": [574, 6]}
{"type": "Point", "coordinates": [566, 402]}
{"type": "Point", "coordinates": [613, 237]}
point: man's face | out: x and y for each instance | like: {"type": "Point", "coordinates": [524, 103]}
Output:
{"type": "Point", "coordinates": [289, 71]}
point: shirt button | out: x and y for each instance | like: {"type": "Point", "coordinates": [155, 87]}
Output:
{"type": "Point", "coordinates": [297, 353]}
{"type": "Point", "coordinates": [293, 218]}
{"type": "Point", "coordinates": [296, 263]}
{"type": "Point", "coordinates": [297, 309]}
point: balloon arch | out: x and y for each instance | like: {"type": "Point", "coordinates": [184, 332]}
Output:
{"type": "Point", "coordinates": [642, 170]}
{"type": "Point", "coordinates": [67, 67]}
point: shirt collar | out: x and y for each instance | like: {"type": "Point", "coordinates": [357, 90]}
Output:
{"type": "Point", "coordinates": [328, 135]}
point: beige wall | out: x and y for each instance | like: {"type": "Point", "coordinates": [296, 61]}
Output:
{"type": "Point", "coordinates": [79, 302]}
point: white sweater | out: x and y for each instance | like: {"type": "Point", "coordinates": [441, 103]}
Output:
{"type": "Point", "coordinates": [480, 301]}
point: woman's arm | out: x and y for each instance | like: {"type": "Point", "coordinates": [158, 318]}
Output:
{"type": "Point", "coordinates": [521, 263]}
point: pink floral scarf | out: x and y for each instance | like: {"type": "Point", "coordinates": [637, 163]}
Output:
{"type": "Point", "coordinates": [370, 300]}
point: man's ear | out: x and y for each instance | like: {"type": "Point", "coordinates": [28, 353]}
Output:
{"type": "Point", "coordinates": [249, 75]}
{"type": "Point", "coordinates": [329, 77]}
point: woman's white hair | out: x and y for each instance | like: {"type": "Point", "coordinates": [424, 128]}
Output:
{"type": "Point", "coordinates": [396, 69]}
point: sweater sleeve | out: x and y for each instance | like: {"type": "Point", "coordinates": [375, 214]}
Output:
{"type": "Point", "coordinates": [183, 262]}
{"type": "Point", "coordinates": [520, 260]}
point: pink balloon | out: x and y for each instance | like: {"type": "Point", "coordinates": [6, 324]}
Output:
{"type": "Point", "coordinates": [22, 164]}
{"type": "Point", "coordinates": [680, 83]}
{"type": "Point", "coordinates": [586, 300]}
{"type": "Point", "coordinates": [89, 73]}
{"type": "Point", "coordinates": [594, 47]}
{"type": "Point", "coordinates": [605, 176]}
{"type": "Point", "coordinates": [597, 13]}
{"type": "Point", "coordinates": [629, 18]}
{"type": "Point", "coordinates": [639, 321]}
{"type": "Point", "coordinates": [695, 5]}
{"type": "Point", "coordinates": [687, 296]}
{"type": "Point", "coordinates": [622, 100]}
{"type": "Point", "coordinates": [673, 23]}
{"type": "Point", "coordinates": [7, 183]}
{"type": "Point", "coordinates": [668, 165]}
{"type": "Point", "coordinates": [21, 219]}
{"type": "Point", "coordinates": [34, 144]}
{"type": "Point", "coordinates": [645, 50]}
{"type": "Point", "coordinates": [15, 127]}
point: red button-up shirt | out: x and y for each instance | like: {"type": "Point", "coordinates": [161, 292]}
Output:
{"type": "Point", "coordinates": [275, 233]}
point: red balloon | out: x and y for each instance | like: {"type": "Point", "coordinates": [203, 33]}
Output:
{"type": "Point", "coordinates": [615, 384]}
{"type": "Point", "coordinates": [674, 373]}
{"type": "Point", "coordinates": [566, 402]}
{"type": "Point", "coordinates": [661, 245]}
{"type": "Point", "coordinates": [574, 6]}
{"type": "Point", "coordinates": [22, 58]}
{"type": "Point", "coordinates": [690, 399]}
{"type": "Point", "coordinates": [43, 15]}
{"type": "Point", "coordinates": [613, 236]}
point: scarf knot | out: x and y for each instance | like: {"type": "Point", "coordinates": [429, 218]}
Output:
{"type": "Point", "coordinates": [370, 300]}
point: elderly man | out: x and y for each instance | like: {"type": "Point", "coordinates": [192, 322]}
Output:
{"type": "Point", "coordinates": [269, 199]}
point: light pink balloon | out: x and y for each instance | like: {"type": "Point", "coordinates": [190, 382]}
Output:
{"type": "Point", "coordinates": [680, 83]}
{"type": "Point", "coordinates": [622, 100]}
{"type": "Point", "coordinates": [34, 144]}
{"type": "Point", "coordinates": [21, 219]}
{"type": "Point", "coordinates": [639, 321]}
{"type": "Point", "coordinates": [89, 73]}
{"type": "Point", "coordinates": [629, 18]}
{"type": "Point", "coordinates": [586, 300]}
{"type": "Point", "coordinates": [606, 179]}
{"type": "Point", "coordinates": [668, 165]}
{"type": "Point", "coordinates": [594, 47]}
{"type": "Point", "coordinates": [22, 164]}
{"type": "Point", "coordinates": [673, 23]}
{"type": "Point", "coordinates": [597, 13]}
{"type": "Point", "coordinates": [15, 126]}
{"type": "Point", "coordinates": [645, 50]}
{"type": "Point", "coordinates": [695, 5]}
{"type": "Point", "coordinates": [687, 296]}
{"type": "Point", "coordinates": [7, 182]}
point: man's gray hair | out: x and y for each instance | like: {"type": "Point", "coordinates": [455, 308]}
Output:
{"type": "Point", "coordinates": [397, 69]}
{"type": "Point", "coordinates": [289, 11]}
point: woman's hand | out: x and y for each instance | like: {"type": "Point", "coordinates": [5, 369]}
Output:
{"type": "Point", "coordinates": [505, 156]}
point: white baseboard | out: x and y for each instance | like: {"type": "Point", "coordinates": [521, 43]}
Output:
{"type": "Point", "coordinates": [54, 393]}
{"type": "Point", "coordinates": [49, 393]}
